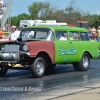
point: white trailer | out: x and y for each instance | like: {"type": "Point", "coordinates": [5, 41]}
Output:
{"type": "Point", "coordinates": [24, 23]}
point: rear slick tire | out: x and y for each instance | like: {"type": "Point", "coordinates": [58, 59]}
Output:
{"type": "Point", "coordinates": [84, 63]}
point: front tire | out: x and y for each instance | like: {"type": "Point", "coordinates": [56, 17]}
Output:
{"type": "Point", "coordinates": [84, 63]}
{"type": "Point", "coordinates": [3, 70]}
{"type": "Point", "coordinates": [38, 67]}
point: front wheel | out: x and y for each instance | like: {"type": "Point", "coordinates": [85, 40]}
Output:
{"type": "Point", "coordinates": [84, 63]}
{"type": "Point", "coordinates": [3, 70]}
{"type": "Point", "coordinates": [38, 67]}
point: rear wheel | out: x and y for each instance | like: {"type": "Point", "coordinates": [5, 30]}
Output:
{"type": "Point", "coordinates": [3, 70]}
{"type": "Point", "coordinates": [38, 67]}
{"type": "Point", "coordinates": [84, 63]}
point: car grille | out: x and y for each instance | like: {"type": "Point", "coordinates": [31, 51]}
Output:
{"type": "Point", "coordinates": [12, 47]}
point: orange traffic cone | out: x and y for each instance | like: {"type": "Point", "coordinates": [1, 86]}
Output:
{"type": "Point", "coordinates": [0, 33]}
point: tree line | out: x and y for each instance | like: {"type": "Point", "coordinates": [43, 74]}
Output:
{"type": "Point", "coordinates": [46, 11]}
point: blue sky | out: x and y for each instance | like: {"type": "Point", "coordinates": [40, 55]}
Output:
{"type": "Point", "coordinates": [92, 6]}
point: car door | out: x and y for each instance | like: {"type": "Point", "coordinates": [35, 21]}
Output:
{"type": "Point", "coordinates": [64, 50]}
{"type": "Point", "coordinates": [75, 42]}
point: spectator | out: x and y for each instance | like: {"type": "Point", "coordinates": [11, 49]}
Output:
{"type": "Point", "coordinates": [98, 34]}
{"type": "Point", "coordinates": [1, 16]}
{"type": "Point", "coordinates": [1, 3]}
{"type": "Point", "coordinates": [14, 34]}
{"type": "Point", "coordinates": [3, 8]}
{"type": "Point", "coordinates": [18, 29]}
{"type": "Point", "coordinates": [93, 33]}
{"type": "Point", "coordinates": [90, 33]}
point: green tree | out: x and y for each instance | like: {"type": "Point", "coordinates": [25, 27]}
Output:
{"type": "Point", "coordinates": [46, 11]}
{"type": "Point", "coordinates": [15, 20]}
{"type": "Point", "coordinates": [23, 17]}
{"type": "Point", "coordinates": [59, 16]}
{"type": "Point", "coordinates": [40, 10]}
{"type": "Point", "coordinates": [73, 13]}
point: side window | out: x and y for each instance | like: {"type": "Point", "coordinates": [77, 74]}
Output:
{"type": "Point", "coordinates": [84, 36]}
{"type": "Point", "coordinates": [74, 36]}
{"type": "Point", "coordinates": [61, 35]}
{"type": "Point", "coordinates": [41, 35]}
{"type": "Point", "coordinates": [26, 34]}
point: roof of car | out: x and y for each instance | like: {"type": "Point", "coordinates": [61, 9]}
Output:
{"type": "Point", "coordinates": [59, 28]}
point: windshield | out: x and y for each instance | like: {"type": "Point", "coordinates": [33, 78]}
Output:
{"type": "Point", "coordinates": [31, 34]}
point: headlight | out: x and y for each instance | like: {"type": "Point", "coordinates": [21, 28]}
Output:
{"type": "Point", "coordinates": [25, 47]}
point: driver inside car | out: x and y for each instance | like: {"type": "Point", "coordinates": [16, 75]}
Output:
{"type": "Point", "coordinates": [63, 37]}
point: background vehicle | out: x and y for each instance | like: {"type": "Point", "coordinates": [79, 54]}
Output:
{"type": "Point", "coordinates": [24, 23]}
{"type": "Point", "coordinates": [82, 24]}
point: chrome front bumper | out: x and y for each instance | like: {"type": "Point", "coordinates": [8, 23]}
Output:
{"type": "Point", "coordinates": [11, 56]}
{"type": "Point", "coordinates": [11, 53]}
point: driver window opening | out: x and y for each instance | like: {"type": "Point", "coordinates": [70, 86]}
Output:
{"type": "Point", "coordinates": [62, 35]}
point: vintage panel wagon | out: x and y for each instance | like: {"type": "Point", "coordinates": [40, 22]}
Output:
{"type": "Point", "coordinates": [42, 47]}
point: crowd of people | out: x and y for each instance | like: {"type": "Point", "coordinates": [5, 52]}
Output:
{"type": "Point", "coordinates": [94, 34]}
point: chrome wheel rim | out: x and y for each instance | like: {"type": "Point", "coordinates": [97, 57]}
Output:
{"type": "Point", "coordinates": [40, 68]}
{"type": "Point", "coordinates": [85, 61]}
